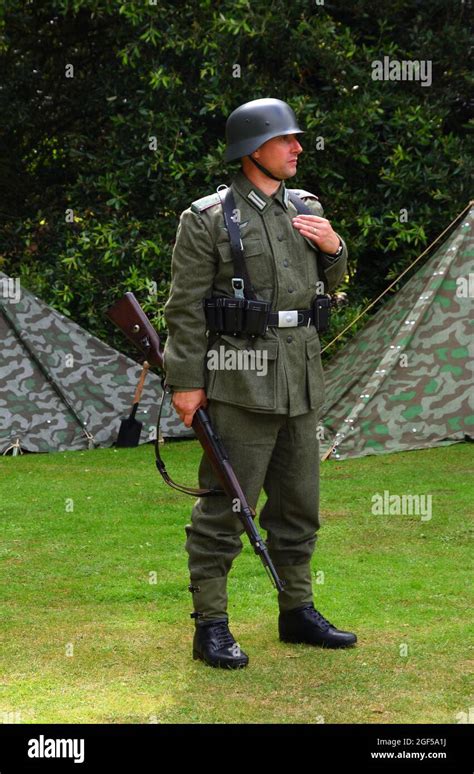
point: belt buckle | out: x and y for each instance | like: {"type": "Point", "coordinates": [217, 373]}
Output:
{"type": "Point", "coordinates": [288, 318]}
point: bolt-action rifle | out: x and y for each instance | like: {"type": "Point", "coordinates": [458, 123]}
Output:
{"type": "Point", "coordinates": [128, 315]}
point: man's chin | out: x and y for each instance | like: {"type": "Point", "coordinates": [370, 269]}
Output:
{"type": "Point", "coordinates": [291, 171]}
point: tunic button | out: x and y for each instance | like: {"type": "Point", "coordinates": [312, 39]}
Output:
{"type": "Point", "coordinates": [289, 339]}
{"type": "Point", "coordinates": [280, 237]}
{"type": "Point", "coordinates": [285, 262]}
{"type": "Point", "coordinates": [290, 290]}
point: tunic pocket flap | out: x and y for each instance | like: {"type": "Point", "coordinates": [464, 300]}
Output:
{"type": "Point", "coordinates": [261, 345]}
{"type": "Point", "coordinates": [251, 247]}
{"type": "Point", "coordinates": [313, 347]}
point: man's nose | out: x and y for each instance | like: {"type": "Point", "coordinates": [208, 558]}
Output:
{"type": "Point", "coordinates": [296, 148]}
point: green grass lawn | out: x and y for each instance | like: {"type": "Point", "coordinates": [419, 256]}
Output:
{"type": "Point", "coordinates": [87, 638]}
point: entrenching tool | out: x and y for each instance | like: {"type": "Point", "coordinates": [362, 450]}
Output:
{"type": "Point", "coordinates": [130, 428]}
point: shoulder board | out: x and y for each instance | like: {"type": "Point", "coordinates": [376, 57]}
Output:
{"type": "Point", "coordinates": [207, 201]}
{"type": "Point", "coordinates": [303, 194]}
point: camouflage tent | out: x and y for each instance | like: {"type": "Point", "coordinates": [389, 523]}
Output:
{"type": "Point", "coordinates": [406, 380]}
{"type": "Point", "coordinates": [60, 387]}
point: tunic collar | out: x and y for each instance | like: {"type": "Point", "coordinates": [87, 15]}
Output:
{"type": "Point", "coordinates": [259, 200]}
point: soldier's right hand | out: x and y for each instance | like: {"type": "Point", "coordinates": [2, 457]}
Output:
{"type": "Point", "coordinates": [187, 403]}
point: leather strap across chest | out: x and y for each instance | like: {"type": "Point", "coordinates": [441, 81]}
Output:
{"type": "Point", "coordinates": [236, 246]}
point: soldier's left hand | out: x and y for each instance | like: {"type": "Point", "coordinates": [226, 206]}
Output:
{"type": "Point", "coordinates": [319, 230]}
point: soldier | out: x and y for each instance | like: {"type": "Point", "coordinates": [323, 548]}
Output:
{"type": "Point", "coordinates": [267, 421]}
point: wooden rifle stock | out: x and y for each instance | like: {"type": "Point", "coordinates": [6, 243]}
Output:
{"type": "Point", "coordinates": [128, 315]}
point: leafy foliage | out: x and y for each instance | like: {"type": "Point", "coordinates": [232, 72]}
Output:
{"type": "Point", "coordinates": [96, 168]}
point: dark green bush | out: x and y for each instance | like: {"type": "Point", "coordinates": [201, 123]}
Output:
{"type": "Point", "coordinates": [166, 71]}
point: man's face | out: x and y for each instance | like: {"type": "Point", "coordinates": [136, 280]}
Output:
{"type": "Point", "coordinates": [280, 155]}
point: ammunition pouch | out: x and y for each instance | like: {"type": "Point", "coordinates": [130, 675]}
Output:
{"type": "Point", "coordinates": [321, 308]}
{"type": "Point", "coordinates": [237, 316]}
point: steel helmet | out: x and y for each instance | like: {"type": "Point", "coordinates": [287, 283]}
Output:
{"type": "Point", "coordinates": [255, 122]}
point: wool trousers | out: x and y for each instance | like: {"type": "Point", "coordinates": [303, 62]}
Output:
{"type": "Point", "coordinates": [276, 453]}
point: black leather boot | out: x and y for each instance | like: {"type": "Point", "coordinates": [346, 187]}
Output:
{"type": "Point", "coordinates": [305, 624]}
{"type": "Point", "coordinates": [214, 644]}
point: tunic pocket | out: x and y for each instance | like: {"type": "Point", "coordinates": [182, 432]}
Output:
{"type": "Point", "coordinates": [242, 374]}
{"type": "Point", "coordinates": [258, 263]}
{"type": "Point", "coordinates": [314, 373]}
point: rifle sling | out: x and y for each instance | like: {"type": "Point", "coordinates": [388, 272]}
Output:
{"type": "Point", "coordinates": [161, 465]}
